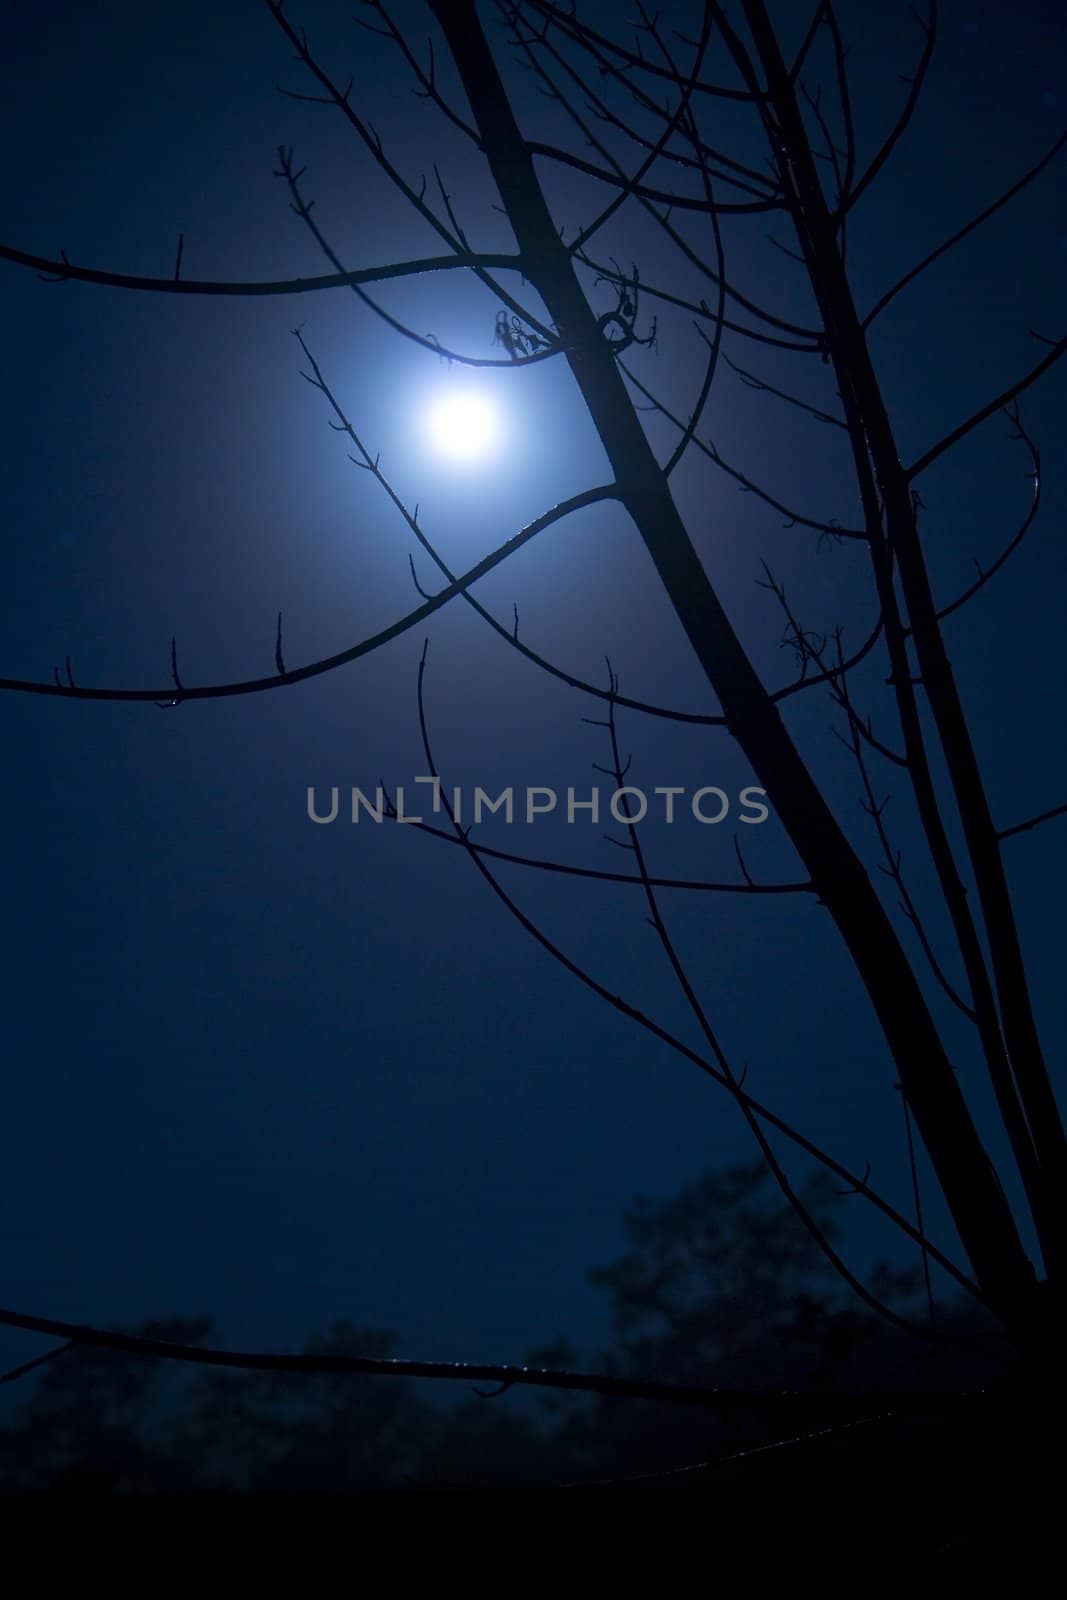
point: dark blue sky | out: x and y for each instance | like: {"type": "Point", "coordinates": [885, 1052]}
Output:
{"type": "Point", "coordinates": [282, 1074]}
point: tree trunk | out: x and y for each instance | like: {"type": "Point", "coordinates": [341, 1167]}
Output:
{"type": "Point", "coordinates": [847, 347]}
{"type": "Point", "coordinates": [979, 1208]}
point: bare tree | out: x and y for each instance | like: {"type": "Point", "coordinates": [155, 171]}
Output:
{"type": "Point", "coordinates": [699, 127]}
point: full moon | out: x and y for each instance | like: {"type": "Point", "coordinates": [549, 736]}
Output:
{"type": "Point", "coordinates": [463, 425]}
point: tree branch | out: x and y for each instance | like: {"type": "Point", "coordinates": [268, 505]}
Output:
{"type": "Point", "coordinates": [999, 404]}
{"type": "Point", "coordinates": [929, 27]}
{"type": "Point", "coordinates": [1032, 822]}
{"type": "Point", "coordinates": [985, 573]}
{"type": "Point", "coordinates": [354, 652]}
{"type": "Point", "coordinates": [961, 233]}
{"type": "Point", "coordinates": [709, 1068]}
{"type": "Point", "coordinates": [64, 270]}
{"type": "Point", "coordinates": [134, 1344]}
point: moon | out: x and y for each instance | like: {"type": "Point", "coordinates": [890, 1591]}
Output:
{"type": "Point", "coordinates": [463, 425]}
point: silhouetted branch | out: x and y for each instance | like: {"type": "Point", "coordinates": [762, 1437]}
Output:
{"type": "Point", "coordinates": [929, 28]}
{"type": "Point", "coordinates": [833, 155]}
{"type": "Point", "coordinates": [365, 133]}
{"type": "Point", "coordinates": [1015, 1059]}
{"type": "Point", "coordinates": [793, 1199]}
{"type": "Point", "coordinates": [985, 573]}
{"type": "Point", "coordinates": [983, 1208]}
{"type": "Point", "coordinates": [427, 79]}
{"type": "Point", "coordinates": [689, 430]}
{"type": "Point", "coordinates": [628, 189]}
{"type": "Point", "coordinates": [661, 220]}
{"type": "Point", "coordinates": [597, 874]}
{"type": "Point", "coordinates": [64, 270]}
{"type": "Point", "coordinates": [748, 180]}
{"type": "Point", "coordinates": [667, 197]}
{"type": "Point", "coordinates": [659, 217]}
{"type": "Point", "coordinates": [793, 518]}
{"type": "Point", "coordinates": [844, 96]}
{"type": "Point", "coordinates": [916, 1190]}
{"type": "Point", "coordinates": [509, 635]}
{"type": "Point", "coordinates": [1032, 822]}
{"type": "Point", "coordinates": [750, 381]}
{"type": "Point", "coordinates": [669, 1474]}
{"type": "Point", "coordinates": [961, 233]}
{"type": "Point", "coordinates": [999, 404]}
{"type": "Point", "coordinates": [714, 345]}
{"type": "Point", "coordinates": [581, 33]}
{"type": "Point", "coordinates": [875, 809]}
{"type": "Point", "coordinates": [817, 20]}
{"type": "Point", "coordinates": [135, 1344]}
{"type": "Point", "coordinates": [303, 210]}
{"type": "Point", "coordinates": [699, 308]}
{"type": "Point", "coordinates": [25, 1367]}
{"type": "Point", "coordinates": [354, 652]}
{"type": "Point", "coordinates": [710, 1069]}
{"type": "Point", "coordinates": [416, 199]}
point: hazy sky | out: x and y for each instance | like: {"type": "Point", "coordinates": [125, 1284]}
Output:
{"type": "Point", "coordinates": [281, 1073]}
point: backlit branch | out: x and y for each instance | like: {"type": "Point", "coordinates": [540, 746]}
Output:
{"type": "Point", "coordinates": [63, 271]}
{"type": "Point", "coordinates": [316, 669]}
{"type": "Point", "coordinates": [722, 166]}
{"type": "Point", "coordinates": [961, 233]}
{"type": "Point", "coordinates": [629, 188]}
{"type": "Point", "coordinates": [581, 33]}
{"type": "Point", "coordinates": [750, 381]}
{"type": "Point", "coordinates": [986, 573]}
{"type": "Point", "coordinates": [875, 809]}
{"type": "Point", "coordinates": [700, 309]}
{"type": "Point", "coordinates": [929, 28]}
{"type": "Point", "coordinates": [831, 154]}
{"type": "Point", "coordinates": [365, 133]}
{"type": "Point", "coordinates": [1015, 1057]}
{"type": "Point", "coordinates": [692, 256]}
{"type": "Point", "coordinates": [786, 1401]}
{"type": "Point", "coordinates": [715, 343]}
{"type": "Point", "coordinates": [416, 199]}
{"type": "Point", "coordinates": [1033, 822]}
{"type": "Point", "coordinates": [733, 1082]}
{"type": "Point", "coordinates": [793, 518]}
{"type": "Point", "coordinates": [426, 78]}
{"type": "Point", "coordinates": [667, 197]}
{"type": "Point", "coordinates": [510, 636]}
{"type": "Point", "coordinates": [303, 210]}
{"type": "Point", "coordinates": [844, 95]}
{"type": "Point", "coordinates": [595, 874]}
{"type": "Point", "coordinates": [858, 1185]}
{"type": "Point", "coordinates": [1002, 401]}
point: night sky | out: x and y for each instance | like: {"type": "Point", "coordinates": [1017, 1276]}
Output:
{"type": "Point", "coordinates": [282, 1074]}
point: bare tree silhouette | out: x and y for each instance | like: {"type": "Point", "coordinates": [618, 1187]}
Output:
{"type": "Point", "coordinates": [643, 108]}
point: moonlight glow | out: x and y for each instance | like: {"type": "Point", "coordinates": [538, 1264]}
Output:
{"type": "Point", "coordinates": [463, 425]}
